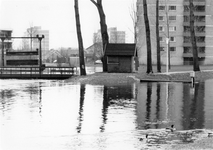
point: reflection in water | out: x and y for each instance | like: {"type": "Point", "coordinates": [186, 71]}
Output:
{"type": "Point", "coordinates": [162, 104]}
{"type": "Point", "coordinates": [193, 107]}
{"type": "Point", "coordinates": [148, 103]}
{"type": "Point", "coordinates": [104, 109]}
{"type": "Point", "coordinates": [80, 118]}
{"type": "Point", "coordinates": [158, 91]}
{"type": "Point", "coordinates": [60, 115]}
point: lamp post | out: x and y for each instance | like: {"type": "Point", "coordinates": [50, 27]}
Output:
{"type": "Point", "coordinates": [40, 54]}
{"type": "Point", "coordinates": [167, 54]}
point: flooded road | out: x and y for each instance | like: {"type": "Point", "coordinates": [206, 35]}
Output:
{"type": "Point", "coordinates": [47, 114]}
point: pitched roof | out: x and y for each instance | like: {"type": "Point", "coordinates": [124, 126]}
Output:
{"type": "Point", "coordinates": [121, 49]}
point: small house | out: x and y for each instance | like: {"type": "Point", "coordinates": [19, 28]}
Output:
{"type": "Point", "coordinates": [120, 57]}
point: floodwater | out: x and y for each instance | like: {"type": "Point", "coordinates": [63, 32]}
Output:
{"type": "Point", "coordinates": [58, 115]}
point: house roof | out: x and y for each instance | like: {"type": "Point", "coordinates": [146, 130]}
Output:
{"type": "Point", "coordinates": [120, 49]}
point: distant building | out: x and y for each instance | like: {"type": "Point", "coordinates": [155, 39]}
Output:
{"type": "Point", "coordinates": [95, 51]}
{"type": "Point", "coordinates": [37, 30]}
{"type": "Point", "coordinates": [7, 44]}
{"type": "Point", "coordinates": [115, 36]}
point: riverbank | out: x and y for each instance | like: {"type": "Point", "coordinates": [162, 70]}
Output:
{"type": "Point", "coordinates": [128, 78]}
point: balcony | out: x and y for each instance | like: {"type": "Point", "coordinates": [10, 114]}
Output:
{"type": "Point", "coordinates": [196, 2]}
{"type": "Point", "coordinates": [196, 24]}
{"type": "Point", "coordinates": [200, 55]}
{"type": "Point", "coordinates": [199, 44]}
{"type": "Point", "coordinates": [187, 33]}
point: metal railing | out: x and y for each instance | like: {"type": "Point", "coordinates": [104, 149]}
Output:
{"type": "Point", "coordinates": [37, 71]}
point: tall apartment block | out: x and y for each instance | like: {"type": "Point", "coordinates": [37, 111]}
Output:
{"type": "Point", "coordinates": [174, 25]}
{"type": "Point", "coordinates": [115, 36]}
{"type": "Point", "coordinates": [37, 30]}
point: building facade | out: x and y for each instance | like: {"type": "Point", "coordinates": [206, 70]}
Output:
{"type": "Point", "coordinates": [174, 25]}
{"type": "Point", "coordinates": [115, 36]}
{"type": "Point", "coordinates": [37, 30]}
{"type": "Point", "coordinates": [7, 44]}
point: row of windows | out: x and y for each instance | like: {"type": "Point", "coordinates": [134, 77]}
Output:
{"type": "Point", "coordinates": [186, 39]}
{"type": "Point", "coordinates": [185, 28]}
{"type": "Point", "coordinates": [185, 49]}
{"type": "Point", "coordinates": [164, 7]}
{"type": "Point", "coordinates": [171, 39]}
{"type": "Point", "coordinates": [171, 18]}
{"type": "Point", "coordinates": [171, 28]}
{"type": "Point", "coordinates": [186, 8]}
{"type": "Point", "coordinates": [196, 8]}
{"type": "Point", "coordinates": [170, 49]}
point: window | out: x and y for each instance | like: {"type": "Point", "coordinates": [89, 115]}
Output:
{"type": "Point", "coordinates": [172, 39]}
{"type": "Point", "coordinates": [161, 18]}
{"type": "Point", "coordinates": [113, 60]}
{"type": "Point", "coordinates": [172, 28]}
{"type": "Point", "coordinates": [162, 49]}
{"type": "Point", "coordinates": [172, 49]}
{"type": "Point", "coordinates": [161, 28]}
{"type": "Point", "coordinates": [161, 7]}
{"type": "Point", "coordinates": [172, 7]}
{"type": "Point", "coordinates": [172, 17]}
{"type": "Point", "coordinates": [161, 39]}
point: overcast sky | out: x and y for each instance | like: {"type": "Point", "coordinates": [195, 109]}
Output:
{"type": "Point", "coordinates": [58, 17]}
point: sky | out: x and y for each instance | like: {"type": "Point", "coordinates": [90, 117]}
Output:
{"type": "Point", "coordinates": [58, 16]}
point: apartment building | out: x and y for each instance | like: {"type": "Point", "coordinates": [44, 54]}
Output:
{"type": "Point", "coordinates": [115, 36]}
{"type": "Point", "coordinates": [37, 30]}
{"type": "Point", "coordinates": [174, 25]}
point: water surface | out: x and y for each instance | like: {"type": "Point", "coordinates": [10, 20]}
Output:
{"type": "Point", "coordinates": [48, 114]}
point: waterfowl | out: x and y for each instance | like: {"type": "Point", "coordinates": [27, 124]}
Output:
{"type": "Point", "coordinates": [141, 139]}
{"type": "Point", "coordinates": [210, 134]}
{"type": "Point", "coordinates": [172, 128]}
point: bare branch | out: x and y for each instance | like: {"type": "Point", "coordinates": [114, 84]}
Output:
{"type": "Point", "coordinates": [94, 2]}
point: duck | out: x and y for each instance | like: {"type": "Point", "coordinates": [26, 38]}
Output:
{"type": "Point", "coordinates": [210, 134]}
{"type": "Point", "coordinates": [171, 129]}
{"type": "Point", "coordinates": [141, 139]}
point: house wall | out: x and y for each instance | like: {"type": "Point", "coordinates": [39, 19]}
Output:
{"type": "Point", "coordinates": [25, 59]}
{"type": "Point", "coordinates": [124, 64]}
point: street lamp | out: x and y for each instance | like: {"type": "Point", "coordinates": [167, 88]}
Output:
{"type": "Point", "coordinates": [167, 54]}
{"type": "Point", "coordinates": [40, 54]}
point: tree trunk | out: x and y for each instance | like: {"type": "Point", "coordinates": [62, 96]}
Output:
{"type": "Point", "coordinates": [80, 41]}
{"type": "Point", "coordinates": [157, 37]}
{"type": "Point", "coordinates": [148, 39]}
{"type": "Point", "coordinates": [193, 38]}
{"type": "Point", "coordinates": [104, 33]}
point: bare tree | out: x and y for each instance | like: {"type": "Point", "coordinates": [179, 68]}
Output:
{"type": "Point", "coordinates": [148, 38]}
{"type": "Point", "coordinates": [31, 32]}
{"type": "Point", "coordinates": [158, 37]}
{"type": "Point", "coordinates": [104, 34]}
{"type": "Point", "coordinates": [80, 41]}
{"type": "Point", "coordinates": [133, 15]}
{"type": "Point", "coordinates": [193, 38]}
